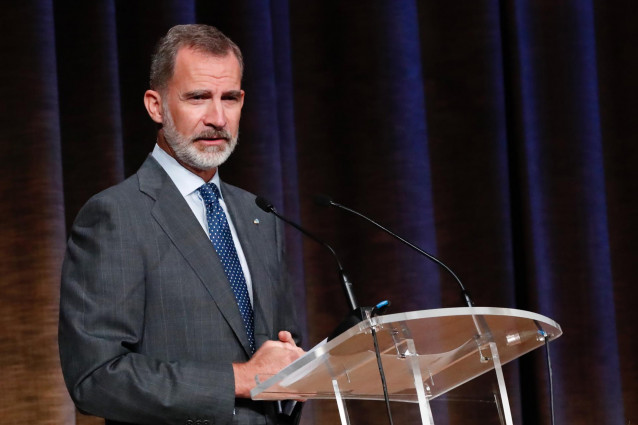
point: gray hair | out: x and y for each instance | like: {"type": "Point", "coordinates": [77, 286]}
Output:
{"type": "Point", "coordinates": [203, 38]}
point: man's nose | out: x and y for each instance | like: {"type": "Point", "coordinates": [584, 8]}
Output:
{"type": "Point", "coordinates": [215, 115]}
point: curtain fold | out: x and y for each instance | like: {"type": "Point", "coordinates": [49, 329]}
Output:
{"type": "Point", "coordinates": [32, 216]}
{"type": "Point", "coordinates": [89, 102]}
{"type": "Point", "coordinates": [566, 244]}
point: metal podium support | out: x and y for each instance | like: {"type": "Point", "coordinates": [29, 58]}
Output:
{"type": "Point", "coordinates": [424, 404]}
{"type": "Point", "coordinates": [341, 404]}
{"type": "Point", "coordinates": [425, 354]}
{"type": "Point", "coordinates": [505, 403]}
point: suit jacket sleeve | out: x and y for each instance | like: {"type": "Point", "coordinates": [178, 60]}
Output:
{"type": "Point", "coordinates": [102, 320]}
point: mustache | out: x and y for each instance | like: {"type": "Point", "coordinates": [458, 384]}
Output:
{"type": "Point", "coordinates": [213, 134]}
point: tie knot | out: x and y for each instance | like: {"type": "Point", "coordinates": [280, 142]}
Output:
{"type": "Point", "coordinates": [209, 192]}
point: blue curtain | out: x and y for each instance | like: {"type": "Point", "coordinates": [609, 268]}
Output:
{"type": "Point", "coordinates": [497, 135]}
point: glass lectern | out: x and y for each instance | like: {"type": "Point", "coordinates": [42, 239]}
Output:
{"type": "Point", "coordinates": [424, 354]}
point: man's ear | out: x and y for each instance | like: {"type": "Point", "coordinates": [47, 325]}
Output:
{"type": "Point", "coordinates": [153, 103]}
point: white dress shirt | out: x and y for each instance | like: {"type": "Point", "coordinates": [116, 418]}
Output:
{"type": "Point", "coordinates": [187, 183]}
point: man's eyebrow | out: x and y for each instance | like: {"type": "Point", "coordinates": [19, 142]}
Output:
{"type": "Point", "coordinates": [196, 93]}
{"type": "Point", "coordinates": [232, 93]}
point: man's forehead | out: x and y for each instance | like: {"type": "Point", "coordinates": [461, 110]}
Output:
{"type": "Point", "coordinates": [193, 66]}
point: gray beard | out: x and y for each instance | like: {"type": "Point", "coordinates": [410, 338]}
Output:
{"type": "Point", "coordinates": [205, 159]}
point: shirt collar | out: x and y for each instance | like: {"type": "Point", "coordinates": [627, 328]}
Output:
{"type": "Point", "coordinates": [186, 181]}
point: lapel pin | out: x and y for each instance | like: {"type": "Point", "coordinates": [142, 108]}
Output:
{"type": "Point", "coordinates": [256, 221]}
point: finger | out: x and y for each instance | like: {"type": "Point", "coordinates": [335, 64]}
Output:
{"type": "Point", "coordinates": [285, 336]}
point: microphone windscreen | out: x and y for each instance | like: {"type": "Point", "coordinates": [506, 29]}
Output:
{"type": "Point", "coordinates": [264, 204]}
{"type": "Point", "coordinates": [323, 200]}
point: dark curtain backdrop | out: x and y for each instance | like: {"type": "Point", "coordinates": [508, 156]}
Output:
{"type": "Point", "coordinates": [498, 135]}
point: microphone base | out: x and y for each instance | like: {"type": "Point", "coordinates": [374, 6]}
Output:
{"type": "Point", "coordinates": [355, 317]}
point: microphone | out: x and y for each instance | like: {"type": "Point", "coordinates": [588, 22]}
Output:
{"type": "Point", "coordinates": [267, 206]}
{"type": "Point", "coordinates": [326, 201]}
{"type": "Point", "coordinates": [356, 314]}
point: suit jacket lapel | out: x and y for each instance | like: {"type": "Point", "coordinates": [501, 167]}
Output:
{"type": "Point", "coordinates": [176, 219]}
{"type": "Point", "coordinates": [254, 244]}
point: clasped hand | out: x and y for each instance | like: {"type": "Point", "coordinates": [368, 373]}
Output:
{"type": "Point", "coordinates": [269, 359]}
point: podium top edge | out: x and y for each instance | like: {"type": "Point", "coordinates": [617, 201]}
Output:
{"type": "Point", "coordinates": [465, 311]}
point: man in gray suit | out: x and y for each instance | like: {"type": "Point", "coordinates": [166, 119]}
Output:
{"type": "Point", "coordinates": [168, 311]}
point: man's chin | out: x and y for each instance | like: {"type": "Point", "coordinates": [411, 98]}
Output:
{"type": "Point", "coordinates": [203, 156]}
{"type": "Point", "coordinates": [208, 161]}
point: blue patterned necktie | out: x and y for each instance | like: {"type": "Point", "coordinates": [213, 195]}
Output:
{"type": "Point", "coordinates": [222, 239]}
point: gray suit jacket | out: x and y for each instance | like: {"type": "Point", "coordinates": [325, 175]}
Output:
{"type": "Point", "coordinates": [149, 325]}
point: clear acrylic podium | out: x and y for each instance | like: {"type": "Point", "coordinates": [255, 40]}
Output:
{"type": "Point", "coordinates": [424, 353]}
